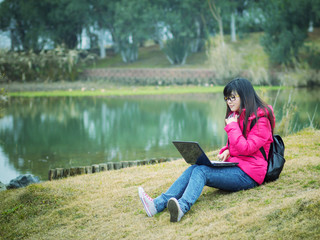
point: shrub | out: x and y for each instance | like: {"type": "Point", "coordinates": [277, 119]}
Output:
{"type": "Point", "coordinates": [3, 102]}
{"type": "Point", "coordinates": [285, 29]}
{"type": "Point", "coordinates": [300, 75]}
{"type": "Point", "coordinates": [225, 63]}
{"type": "Point", "coordinates": [177, 50]}
{"type": "Point", "coordinates": [287, 124]}
{"type": "Point", "coordinates": [51, 65]}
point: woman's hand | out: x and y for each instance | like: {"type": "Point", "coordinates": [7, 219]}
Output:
{"type": "Point", "coordinates": [232, 119]}
{"type": "Point", "coordinates": [225, 155]}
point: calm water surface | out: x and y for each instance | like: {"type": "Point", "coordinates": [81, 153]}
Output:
{"type": "Point", "coordinates": [37, 134]}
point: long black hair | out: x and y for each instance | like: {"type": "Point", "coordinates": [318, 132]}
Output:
{"type": "Point", "coordinates": [250, 101]}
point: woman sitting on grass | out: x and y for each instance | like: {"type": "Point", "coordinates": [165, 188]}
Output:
{"type": "Point", "coordinates": [243, 107]}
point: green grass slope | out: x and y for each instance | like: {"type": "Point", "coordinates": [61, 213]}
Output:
{"type": "Point", "coordinates": [106, 205]}
{"type": "Point", "coordinates": [151, 56]}
{"type": "Point", "coordinates": [248, 47]}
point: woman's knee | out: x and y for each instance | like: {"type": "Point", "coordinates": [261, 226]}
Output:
{"type": "Point", "coordinates": [188, 172]}
{"type": "Point", "coordinates": [200, 170]}
{"type": "Point", "coordinates": [191, 168]}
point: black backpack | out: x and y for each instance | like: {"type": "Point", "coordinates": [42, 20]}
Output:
{"type": "Point", "coordinates": [275, 157]}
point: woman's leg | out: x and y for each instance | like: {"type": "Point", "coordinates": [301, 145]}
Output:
{"type": "Point", "coordinates": [225, 178]}
{"type": "Point", "coordinates": [175, 191]}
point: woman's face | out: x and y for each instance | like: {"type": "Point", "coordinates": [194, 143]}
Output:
{"type": "Point", "coordinates": [234, 102]}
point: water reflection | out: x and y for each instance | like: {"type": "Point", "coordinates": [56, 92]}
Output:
{"type": "Point", "coordinates": [42, 133]}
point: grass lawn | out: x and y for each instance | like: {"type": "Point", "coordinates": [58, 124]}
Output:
{"type": "Point", "coordinates": [106, 205]}
{"type": "Point", "coordinates": [152, 57]}
{"type": "Point", "coordinates": [99, 89]}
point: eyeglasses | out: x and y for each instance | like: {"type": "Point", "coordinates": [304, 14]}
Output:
{"type": "Point", "coordinates": [232, 98]}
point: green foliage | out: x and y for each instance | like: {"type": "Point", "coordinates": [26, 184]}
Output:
{"type": "Point", "coordinates": [3, 101]}
{"type": "Point", "coordinates": [251, 22]}
{"type": "Point", "coordinates": [65, 20]}
{"type": "Point", "coordinates": [286, 125]}
{"type": "Point", "coordinates": [132, 27]}
{"type": "Point", "coordinates": [25, 21]}
{"type": "Point", "coordinates": [34, 23]}
{"type": "Point", "coordinates": [186, 29]}
{"type": "Point", "coordinates": [300, 76]}
{"type": "Point", "coordinates": [52, 65]}
{"type": "Point", "coordinates": [225, 62]}
{"type": "Point", "coordinates": [285, 28]}
{"type": "Point", "coordinates": [312, 56]}
{"type": "Point", "coordinates": [177, 50]}
{"type": "Point", "coordinates": [244, 58]}
{"type": "Point", "coordinates": [180, 27]}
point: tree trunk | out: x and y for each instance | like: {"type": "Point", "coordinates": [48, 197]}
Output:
{"type": "Point", "coordinates": [124, 56]}
{"type": "Point", "coordinates": [195, 45]}
{"type": "Point", "coordinates": [184, 58]}
{"type": "Point", "coordinates": [233, 28]}
{"type": "Point", "coordinates": [221, 31]}
{"type": "Point", "coordinates": [216, 14]}
{"type": "Point", "coordinates": [129, 52]}
{"type": "Point", "coordinates": [310, 29]}
{"type": "Point", "coordinates": [101, 44]}
{"type": "Point", "coordinates": [12, 40]}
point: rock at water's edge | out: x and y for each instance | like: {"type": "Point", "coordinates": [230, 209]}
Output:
{"type": "Point", "coordinates": [22, 181]}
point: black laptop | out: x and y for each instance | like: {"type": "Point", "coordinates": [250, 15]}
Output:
{"type": "Point", "coordinates": [193, 154]}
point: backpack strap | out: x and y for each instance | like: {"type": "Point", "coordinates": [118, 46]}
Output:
{"type": "Point", "coordinates": [253, 122]}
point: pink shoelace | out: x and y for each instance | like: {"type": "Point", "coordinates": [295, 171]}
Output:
{"type": "Point", "coordinates": [146, 195]}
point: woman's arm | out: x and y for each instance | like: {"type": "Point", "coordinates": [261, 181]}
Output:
{"type": "Point", "coordinates": [257, 137]}
{"type": "Point", "coordinates": [224, 152]}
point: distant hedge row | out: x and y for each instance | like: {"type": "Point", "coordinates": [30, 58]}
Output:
{"type": "Point", "coordinates": [298, 77]}
{"type": "Point", "coordinates": [51, 65]}
{"type": "Point", "coordinates": [151, 76]}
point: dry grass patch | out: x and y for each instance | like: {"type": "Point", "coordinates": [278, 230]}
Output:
{"type": "Point", "coordinates": [106, 205]}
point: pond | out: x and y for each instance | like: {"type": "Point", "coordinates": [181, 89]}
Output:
{"type": "Point", "coordinates": [37, 134]}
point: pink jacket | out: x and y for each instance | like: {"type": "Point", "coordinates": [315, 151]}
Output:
{"type": "Point", "coordinates": [246, 151]}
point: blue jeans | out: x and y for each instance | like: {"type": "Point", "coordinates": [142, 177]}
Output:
{"type": "Point", "coordinates": [188, 187]}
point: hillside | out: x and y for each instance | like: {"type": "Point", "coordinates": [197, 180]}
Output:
{"type": "Point", "coordinates": [247, 46]}
{"type": "Point", "coordinates": [151, 56]}
{"type": "Point", "coordinates": [106, 205]}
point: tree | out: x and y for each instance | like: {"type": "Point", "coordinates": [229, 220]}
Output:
{"type": "Point", "coordinates": [235, 8]}
{"type": "Point", "coordinates": [25, 21]}
{"type": "Point", "coordinates": [251, 17]}
{"type": "Point", "coordinates": [178, 36]}
{"type": "Point", "coordinates": [216, 13]}
{"type": "Point", "coordinates": [132, 27]}
{"type": "Point", "coordinates": [227, 11]}
{"type": "Point", "coordinates": [129, 22]}
{"type": "Point", "coordinates": [66, 19]}
{"type": "Point", "coordinates": [32, 23]}
{"type": "Point", "coordinates": [285, 27]}
{"type": "Point", "coordinates": [183, 28]}
{"type": "Point", "coordinates": [103, 17]}
{"type": "Point", "coordinates": [201, 24]}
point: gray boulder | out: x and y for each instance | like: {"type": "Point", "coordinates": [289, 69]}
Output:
{"type": "Point", "coordinates": [22, 181]}
{"type": "Point", "coordinates": [2, 187]}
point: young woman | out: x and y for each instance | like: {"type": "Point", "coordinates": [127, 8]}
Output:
{"type": "Point", "coordinates": [243, 107]}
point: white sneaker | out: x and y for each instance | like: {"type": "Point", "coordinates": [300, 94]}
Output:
{"type": "Point", "coordinates": [147, 202]}
{"type": "Point", "coordinates": [175, 211]}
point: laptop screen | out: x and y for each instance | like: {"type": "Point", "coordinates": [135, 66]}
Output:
{"type": "Point", "coordinates": [190, 151]}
